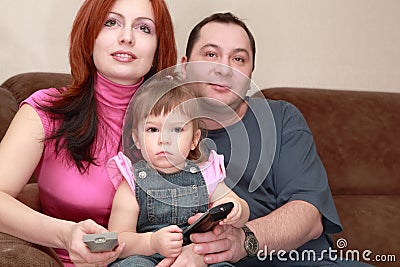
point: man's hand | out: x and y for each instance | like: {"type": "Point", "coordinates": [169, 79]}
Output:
{"type": "Point", "coordinates": [224, 243]}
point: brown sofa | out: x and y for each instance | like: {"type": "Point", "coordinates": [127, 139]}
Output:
{"type": "Point", "coordinates": [357, 137]}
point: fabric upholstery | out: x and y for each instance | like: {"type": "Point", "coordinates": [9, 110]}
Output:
{"type": "Point", "coordinates": [8, 108]}
{"type": "Point", "coordinates": [23, 85]}
{"type": "Point", "coordinates": [15, 252]}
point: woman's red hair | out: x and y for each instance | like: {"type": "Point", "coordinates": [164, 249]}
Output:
{"type": "Point", "coordinates": [77, 106]}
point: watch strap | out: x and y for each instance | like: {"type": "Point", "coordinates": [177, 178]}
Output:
{"type": "Point", "coordinates": [249, 235]}
{"type": "Point", "coordinates": [247, 230]}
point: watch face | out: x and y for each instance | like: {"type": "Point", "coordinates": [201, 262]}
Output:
{"type": "Point", "coordinates": [251, 245]}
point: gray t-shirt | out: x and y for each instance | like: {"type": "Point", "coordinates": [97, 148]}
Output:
{"type": "Point", "coordinates": [274, 160]}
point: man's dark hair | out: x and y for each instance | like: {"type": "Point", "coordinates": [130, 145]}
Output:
{"type": "Point", "coordinates": [227, 18]}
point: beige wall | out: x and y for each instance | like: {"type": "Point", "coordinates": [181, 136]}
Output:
{"type": "Point", "coordinates": [34, 35]}
{"type": "Point", "coordinates": [339, 44]}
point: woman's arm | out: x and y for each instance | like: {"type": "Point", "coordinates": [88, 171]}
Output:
{"type": "Point", "coordinates": [20, 152]}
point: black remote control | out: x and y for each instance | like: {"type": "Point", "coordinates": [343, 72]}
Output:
{"type": "Point", "coordinates": [207, 221]}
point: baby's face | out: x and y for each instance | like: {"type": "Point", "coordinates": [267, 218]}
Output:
{"type": "Point", "coordinates": [166, 140]}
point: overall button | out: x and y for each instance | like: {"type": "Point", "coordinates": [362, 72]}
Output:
{"type": "Point", "coordinates": [193, 169]}
{"type": "Point", "coordinates": [142, 174]}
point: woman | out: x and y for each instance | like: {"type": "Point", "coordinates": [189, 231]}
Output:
{"type": "Point", "coordinates": [66, 136]}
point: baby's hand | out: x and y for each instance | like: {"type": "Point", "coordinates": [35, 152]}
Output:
{"type": "Point", "coordinates": [236, 213]}
{"type": "Point", "coordinates": [167, 241]}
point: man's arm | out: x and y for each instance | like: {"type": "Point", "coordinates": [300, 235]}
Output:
{"type": "Point", "coordinates": [288, 227]}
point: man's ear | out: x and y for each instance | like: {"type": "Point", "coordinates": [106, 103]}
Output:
{"type": "Point", "coordinates": [184, 60]}
{"type": "Point", "coordinates": [135, 140]}
{"type": "Point", "coordinates": [183, 66]}
{"type": "Point", "coordinates": [196, 139]}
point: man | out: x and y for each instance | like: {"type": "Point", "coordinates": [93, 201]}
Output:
{"type": "Point", "coordinates": [287, 189]}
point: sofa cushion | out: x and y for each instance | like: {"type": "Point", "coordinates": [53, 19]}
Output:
{"type": "Point", "coordinates": [8, 108]}
{"type": "Point", "coordinates": [356, 134]}
{"type": "Point", "coordinates": [24, 84]}
{"type": "Point", "coordinates": [370, 223]}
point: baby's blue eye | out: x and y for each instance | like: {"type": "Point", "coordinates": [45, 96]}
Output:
{"type": "Point", "coordinates": [178, 129]}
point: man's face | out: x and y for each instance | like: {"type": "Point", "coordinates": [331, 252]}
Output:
{"type": "Point", "coordinates": [226, 63]}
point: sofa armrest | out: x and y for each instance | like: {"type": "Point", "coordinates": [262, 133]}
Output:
{"type": "Point", "coordinates": [17, 252]}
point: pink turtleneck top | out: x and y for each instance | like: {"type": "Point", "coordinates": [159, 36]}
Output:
{"type": "Point", "coordinates": [64, 192]}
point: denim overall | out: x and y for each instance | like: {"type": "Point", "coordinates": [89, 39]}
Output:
{"type": "Point", "coordinates": [166, 199]}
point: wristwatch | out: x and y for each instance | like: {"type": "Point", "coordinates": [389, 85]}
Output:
{"type": "Point", "coordinates": [250, 242]}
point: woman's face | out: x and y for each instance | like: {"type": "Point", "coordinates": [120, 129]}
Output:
{"type": "Point", "coordinates": [124, 49]}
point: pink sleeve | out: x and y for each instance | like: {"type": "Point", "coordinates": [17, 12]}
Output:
{"type": "Point", "coordinates": [43, 97]}
{"type": "Point", "coordinates": [213, 171]}
{"type": "Point", "coordinates": [119, 167]}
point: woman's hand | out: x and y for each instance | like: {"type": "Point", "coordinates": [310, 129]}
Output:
{"type": "Point", "coordinates": [80, 254]}
{"type": "Point", "coordinates": [187, 258]}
